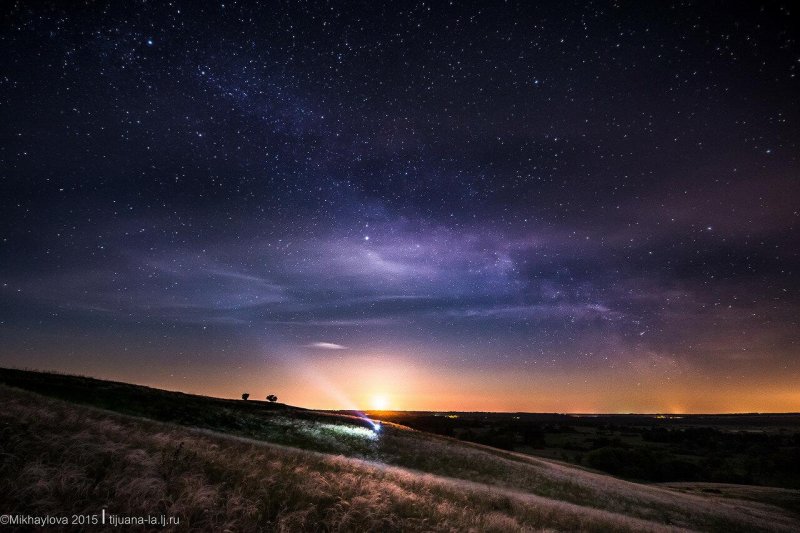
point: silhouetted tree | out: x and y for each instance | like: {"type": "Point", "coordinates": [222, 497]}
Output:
{"type": "Point", "coordinates": [272, 398]}
{"type": "Point", "coordinates": [245, 396]}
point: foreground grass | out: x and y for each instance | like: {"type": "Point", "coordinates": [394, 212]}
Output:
{"type": "Point", "coordinates": [451, 481]}
{"type": "Point", "coordinates": [62, 459]}
{"type": "Point", "coordinates": [785, 498]}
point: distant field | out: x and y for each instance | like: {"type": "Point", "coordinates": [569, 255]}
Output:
{"type": "Point", "coordinates": [756, 449]}
{"type": "Point", "coordinates": [246, 466]}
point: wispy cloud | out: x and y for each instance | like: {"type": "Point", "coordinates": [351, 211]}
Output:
{"type": "Point", "coordinates": [559, 309]}
{"type": "Point", "coordinates": [326, 346]}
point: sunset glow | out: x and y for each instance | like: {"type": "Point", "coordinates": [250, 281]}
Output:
{"type": "Point", "coordinates": [380, 403]}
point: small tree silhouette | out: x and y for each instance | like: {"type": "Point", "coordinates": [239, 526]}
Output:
{"type": "Point", "coordinates": [245, 396]}
{"type": "Point", "coordinates": [272, 398]}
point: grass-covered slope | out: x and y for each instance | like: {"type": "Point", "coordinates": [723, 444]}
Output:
{"type": "Point", "coordinates": [59, 457]}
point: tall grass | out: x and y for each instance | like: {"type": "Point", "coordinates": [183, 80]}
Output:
{"type": "Point", "coordinates": [64, 459]}
{"type": "Point", "coordinates": [61, 459]}
{"type": "Point", "coordinates": [520, 472]}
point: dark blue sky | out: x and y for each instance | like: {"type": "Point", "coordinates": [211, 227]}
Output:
{"type": "Point", "coordinates": [596, 201]}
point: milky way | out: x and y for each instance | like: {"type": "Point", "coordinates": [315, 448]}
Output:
{"type": "Point", "coordinates": [551, 206]}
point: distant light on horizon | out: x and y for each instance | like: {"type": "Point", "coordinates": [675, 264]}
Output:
{"type": "Point", "coordinates": [380, 402]}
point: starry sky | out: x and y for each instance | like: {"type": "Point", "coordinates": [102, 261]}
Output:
{"type": "Point", "coordinates": [550, 206]}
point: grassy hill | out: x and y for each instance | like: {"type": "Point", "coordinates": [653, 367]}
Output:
{"type": "Point", "coordinates": [249, 466]}
{"type": "Point", "coordinates": [751, 449]}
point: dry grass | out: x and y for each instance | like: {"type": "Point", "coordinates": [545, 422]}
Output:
{"type": "Point", "coordinates": [554, 480]}
{"type": "Point", "coordinates": [60, 458]}
{"type": "Point", "coordinates": [786, 498]}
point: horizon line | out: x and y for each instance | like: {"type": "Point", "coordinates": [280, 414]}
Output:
{"type": "Point", "coordinates": [450, 411]}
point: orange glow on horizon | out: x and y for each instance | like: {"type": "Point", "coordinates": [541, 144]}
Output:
{"type": "Point", "coordinates": [380, 382]}
{"type": "Point", "coordinates": [380, 402]}
{"type": "Point", "coordinates": [413, 387]}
